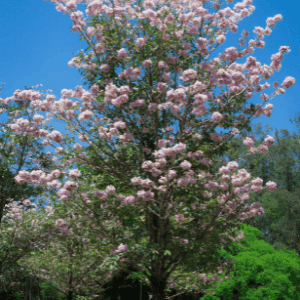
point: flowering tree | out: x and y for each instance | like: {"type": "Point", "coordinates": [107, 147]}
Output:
{"type": "Point", "coordinates": [71, 262]}
{"type": "Point", "coordinates": [21, 232]}
{"type": "Point", "coordinates": [17, 153]}
{"type": "Point", "coordinates": [174, 217]}
{"type": "Point", "coordinates": [18, 236]}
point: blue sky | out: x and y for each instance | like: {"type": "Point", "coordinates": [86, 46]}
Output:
{"type": "Point", "coordinates": [37, 44]}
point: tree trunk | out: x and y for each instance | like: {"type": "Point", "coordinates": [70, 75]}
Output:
{"type": "Point", "coordinates": [30, 287]}
{"type": "Point", "coordinates": [70, 295]}
{"type": "Point", "coordinates": [158, 286]}
{"type": "Point", "coordinates": [39, 290]}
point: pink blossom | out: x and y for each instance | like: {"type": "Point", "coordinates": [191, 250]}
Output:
{"type": "Point", "coordinates": [85, 115]}
{"type": "Point", "coordinates": [284, 49]}
{"type": "Point", "coordinates": [288, 82]}
{"type": "Point", "coordinates": [141, 41]}
{"type": "Point", "coordinates": [220, 39]}
{"type": "Point", "coordinates": [120, 124]}
{"type": "Point", "coordinates": [215, 137]}
{"type": "Point", "coordinates": [248, 141]}
{"type": "Point", "coordinates": [188, 75]}
{"type": "Point", "coordinates": [101, 194]}
{"type": "Point", "coordinates": [147, 63]}
{"type": "Point", "coordinates": [61, 223]}
{"type": "Point", "coordinates": [263, 149]}
{"type": "Point", "coordinates": [269, 141]}
{"type": "Point", "coordinates": [38, 118]}
{"type": "Point", "coordinates": [253, 150]}
{"type": "Point", "coordinates": [256, 188]}
{"type": "Point", "coordinates": [271, 186]}
{"type": "Point", "coordinates": [110, 190]}
{"type": "Point", "coordinates": [146, 195]}
{"type": "Point", "coordinates": [257, 181]}
{"type": "Point", "coordinates": [129, 200]}
{"type": "Point", "coordinates": [71, 5]}
{"type": "Point", "coordinates": [77, 147]}
{"type": "Point", "coordinates": [54, 184]}
{"type": "Point", "coordinates": [104, 68]}
{"type": "Point", "coordinates": [83, 137]}
{"type": "Point", "coordinates": [185, 165]}
{"type": "Point", "coordinates": [216, 116]}
{"type": "Point", "coordinates": [74, 174]}
{"type": "Point", "coordinates": [56, 136]}
{"type": "Point", "coordinates": [122, 54]}
{"type": "Point", "coordinates": [179, 217]}
{"type": "Point", "coordinates": [27, 202]}
{"type": "Point", "coordinates": [70, 185]}
{"type": "Point", "coordinates": [91, 31]}
{"type": "Point", "coordinates": [122, 248]}
{"type": "Point", "coordinates": [55, 173]}
{"type": "Point", "coordinates": [36, 174]}
{"type": "Point", "coordinates": [162, 87]}
{"type": "Point", "coordinates": [232, 166]}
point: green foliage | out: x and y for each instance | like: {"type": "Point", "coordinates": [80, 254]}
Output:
{"type": "Point", "coordinates": [210, 297]}
{"type": "Point", "coordinates": [261, 272]}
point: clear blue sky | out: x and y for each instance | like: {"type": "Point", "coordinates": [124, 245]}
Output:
{"type": "Point", "coordinates": [37, 43]}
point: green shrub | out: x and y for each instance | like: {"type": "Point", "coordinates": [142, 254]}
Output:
{"type": "Point", "coordinates": [260, 272]}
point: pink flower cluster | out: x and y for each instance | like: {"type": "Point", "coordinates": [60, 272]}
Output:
{"type": "Point", "coordinates": [61, 223]}
{"type": "Point", "coordinates": [278, 57]}
{"type": "Point", "coordinates": [85, 115]}
{"type": "Point", "coordinates": [172, 151]}
{"type": "Point", "coordinates": [145, 195]}
{"type": "Point", "coordinates": [121, 248]}
{"type": "Point", "coordinates": [122, 54]}
{"type": "Point", "coordinates": [272, 21]}
{"type": "Point", "coordinates": [103, 195]}
{"type": "Point", "coordinates": [36, 176]}
{"type": "Point", "coordinates": [74, 174]}
{"type": "Point", "coordinates": [188, 75]}
{"type": "Point", "coordinates": [145, 183]}
{"type": "Point", "coordinates": [56, 136]}
{"type": "Point", "coordinates": [257, 184]}
{"type": "Point", "coordinates": [111, 96]}
{"type": "Point", "coordinates": [179, 217]}
{"type": "Point", "coordinates": [288, 82]}
{"type": "Point", "coordinates": [248, 141]}
{"type": "Point", "coordinates": [271, 186]}
{"type": "Point", "coordinates": [216, 116]}
{"type": "Point", "coordinates": [147, 63]}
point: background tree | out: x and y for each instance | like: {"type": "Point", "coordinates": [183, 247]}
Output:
{"type": "Point", "coordinates": [280, 164]}
{"type": "Point", "coordinates": [259, 272]}
{"type": "Point", "coordinates": [17, 153]}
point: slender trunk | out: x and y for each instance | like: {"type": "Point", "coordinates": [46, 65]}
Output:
{"type": "Point", "coordinates": [158, 286]}
{"type": "Point", "coordinates": [158, 280]}
{"type": "Point", "coordinates": [30, 287]}
{"type": "Point", "coordinates": [158, 229]}
{"type": "Point", "coordinates": [70, 295]}
{"type": "Point", "coordinates": [2, 203]}
{"type": "Point", "coordinates": [39, 290]}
